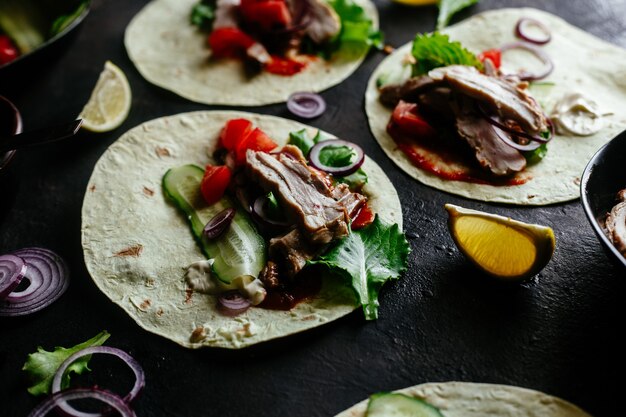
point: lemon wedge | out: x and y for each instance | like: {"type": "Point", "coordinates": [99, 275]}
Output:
{"type": "Point", "coordinates": [503, 248]}
{"type": "Point", "coordinates": [110, 100]}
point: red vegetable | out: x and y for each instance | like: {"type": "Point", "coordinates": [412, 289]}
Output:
{"type": "Point", "coordinates": [219, 223]}
{"type": "Point", "coordinates": [229, 42]}
{"type": "Point", "coordinates": [8, 51]}
{"type": "Point", "coordinates": [234, 132]}
{"type": "Point", "coordinates": [522, 31]}
{"type": "Point", "coordinates": [112, 400]}
{"type": "Point", "coordinates": [364, 217]}
{"type": "Point", "coordinates": [284, 66]}
{"type": "Point", "coordinates": [214, 183]}
{"type": "Point", "coordinates": [407, 119]}
{"type": "Point", "coordinates": [231, 303]}
{"type": "Point", "coordinates": [495, 55]}
{"type": "Point", "coordinates": [266, 15]}
{"type": "Point", "coordinates": [12, 270]}
{"type": "Point", "coordinates": [257, 140]}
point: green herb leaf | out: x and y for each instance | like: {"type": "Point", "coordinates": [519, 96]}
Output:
{"type": "Point", "coordinates": [357, 33]}
{"type": "Point", "coordinates": [532, 157]}
{"type": "Point", "coordinates": [301, 139]}
{"type": "Point", "coordinates": [336, 156]}
{"type": "Point", "coordinates": [62, 22]}
{"type": "Point", "coordinates": [203, 14]}
{"type": "Point", "coordinates": [273, 208]}
{"type": "Point", "coordinates": [367, 258]}
{"type": "Point", "coordinates": [436, 50]}
{"type": "Point", "coordinates": [356, 180]}
{"type": "Point", "coordinates": [42, 365]}
{"type": "Point", "coordinates": [448, 8]}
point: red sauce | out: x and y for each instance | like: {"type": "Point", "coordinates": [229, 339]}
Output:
{"type": "Point", "coordinates": [364, 217]}
{"type": "Point", "coordinates": [284, 66]}
{"type": "Point", "coordinates": [305, 286]}
{"type": "Point", "coordinates": [446, 160]}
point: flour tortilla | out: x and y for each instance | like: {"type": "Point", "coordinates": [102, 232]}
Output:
{"type": "Point", "coordinates": [468, 399]}
{"type": "Point", "coordinates": [583, 64]}
{"type": "Point", "coordinates": [137, 245]}
{"type": "Point", "coordinates": [170, 52]}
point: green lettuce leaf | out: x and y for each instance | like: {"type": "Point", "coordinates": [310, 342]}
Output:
{"type": "Point", "coordinates": [336, 156]}
{"type": "Point", "coordinates": [367, 258]}
{"type": "Point", "coordinates": [448, 8]}
{"type": "Point", "coordinates": [356, 180]}
{"type": "Point", "coordinates": [203, 14]}
{"type": "Point", "coordinates": [301, 140]}
{"type": "Point", "coordinates": [436, 50]}
{"type": "Point", "coordinates": [532, 157]}
{"type": "Point", "coordinates": [42, 365]}
{"type": "Point", "coordinates": [357, 33]}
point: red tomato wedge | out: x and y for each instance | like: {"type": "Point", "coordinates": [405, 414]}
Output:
{"type": "Point", "coordinates": [364, 217]}
{"type": "Point", "coordinates": [284, 66]}
{"type": "Point", "coordinates": [235, 131]}
{"type": "Point", "coordinates": [214, 183]}
{"type": "Point", "coordinates": [257, 140]}
{"type": "Point", "coordinates": [267, 15]}
{"type": "Point", "coordinates": [229, 42]}
{"type": "Point", "coordinates": [408, 120]}
{"type": "Point", "coordinates": [495, 55]}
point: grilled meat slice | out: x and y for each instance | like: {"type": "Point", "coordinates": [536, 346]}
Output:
{"type": "Point", "coordinates": [499, 94]}
{"type": "Point", "coordinates": [294, 251]}
{"type": "Point", "coordinates": [616, 223]}
{"type": "Point", "coordinates": [306, 200]}
{"type": "Point", "coordinates": [324, 22]}
{"type": "Point", "coordinates": [409, 91]}
{"type": "Point", "coordinates": [351, 201]}
{"type": "Point", "coordinates": [491, 152]}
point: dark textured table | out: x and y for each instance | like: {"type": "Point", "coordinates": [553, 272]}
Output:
{"type": "Point", "coordinates": [442, 321]}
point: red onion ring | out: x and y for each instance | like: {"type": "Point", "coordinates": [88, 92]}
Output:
{"type": "Point", "coordinates": [258, 209]}
{"type": "Point", "coordinates": [521, 31]}
{"type": "Point", "coordinates": [12, 270]}
{"type": "Point", "coordinates": [494, 120]}
{"type": "Point", "coordinates": [540, 54]}
{"type": "Point", "coordinates": [48, 278]}
{"type": "Point", "coordinates": [306, 105]}
{"type": "Point", "coordinates": [232, 303]}
{"type": "Point", "coordinates": [219, 223]}
{"type": "Point", "coordinates": [140, 379]}
{"type": "Point", "coordinates": [110, 399]}
{"type": "Point", "coordinates": [504, 137]}
{"type": "Point", "coordinates": [314, 157]}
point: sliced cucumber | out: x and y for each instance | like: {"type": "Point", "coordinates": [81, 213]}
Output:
{"type": "Point", "coordinates": [399, 405]}
{"type": "Point", "coordinates": [238, 252]}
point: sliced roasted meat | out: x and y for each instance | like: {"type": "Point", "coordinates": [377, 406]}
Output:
{"type": "Point", "coordinates": [391, 94]}
{"type": "Point", "coordinates": [226, 14]}
{"type": "Point", "coordinates": [491, 152]}
{"type": "Point", "coordinates": [305, 201]}
{"type": "Point", "coordinates": [323, 23]}
{"type": "Point", "coordinates": [351, 201]}
{"type": "Point", "coordinates": [616, 223]}
{"type": "Point", "coordinates": [499, 94]}
{"type": "Point", "coordinates": [294, 251]}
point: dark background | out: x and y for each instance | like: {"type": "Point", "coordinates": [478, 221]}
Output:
{"type": "Point", "coordinates": [559, 333]}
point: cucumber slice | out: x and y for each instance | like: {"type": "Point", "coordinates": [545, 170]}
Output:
{"type": "Point", "coordinates": [238, 252]}
{"type": "Point", "coordinates": [399, 405]}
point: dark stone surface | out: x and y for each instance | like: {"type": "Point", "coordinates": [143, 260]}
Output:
{"type": "Point", "coordinates": [442, 321]}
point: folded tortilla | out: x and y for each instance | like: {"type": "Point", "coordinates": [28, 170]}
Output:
{"type": "Point", "coordinates": [173, 54]}
{"type": "Point", "coordinates": [582, 64]}
{"type": "Point", "coordinates": [137, 244]}
{"type": "Point", "coordinates": [468, 399]}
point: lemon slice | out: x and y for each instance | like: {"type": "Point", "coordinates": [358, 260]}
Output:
{"type": "Point", "coordinates": [502, 247]}
{"type": "Point", "coordinates": [110, 100]}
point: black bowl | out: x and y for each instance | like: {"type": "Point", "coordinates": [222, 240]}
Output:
{"type": "Point", "coordinates": [603, 177]}
{"type": "Point", "coordinates": [38, 16]}
{"type": "Point", "coordinates": [10, 124]}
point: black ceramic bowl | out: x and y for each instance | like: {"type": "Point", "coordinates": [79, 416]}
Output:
{"type": "Point", "coordinates": [37, 17]}
{"type": "Point", "coordinates": [603, 177]}
{"type": "Point", "coordinates": [10, 124]}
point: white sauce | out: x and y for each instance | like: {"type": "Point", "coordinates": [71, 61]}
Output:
{"type": "Point", "coordinates": [577, 115]}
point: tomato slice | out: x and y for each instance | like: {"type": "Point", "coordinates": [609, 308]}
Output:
{"type": "Point", "coordinates": [267, 15]}
{"type": "Point", "coordinates": [284, 66]}
{"type": "Point", "coordinates": [235, 131]}
{"type": "Point", "coordinates": [229, 42]}
{"type": "Point", "coordinates": [364, 217]}
{"type": "Point", "coordinates": [8, 51]}
{"type": "Point", "coordinates": [495, 55]}
{"type": "Point", "coordinates": [257, 140]}
{"type": "Point", "coordinates": [408, 120]}
{"type": "Point", "coordinates": [214, 183]}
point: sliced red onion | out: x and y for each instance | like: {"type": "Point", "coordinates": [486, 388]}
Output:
{"type": "Point", "coordinates": [140, 379]}
{"type": "Point", "coordinates": [232, 303]}
{"type": "Point", "coordinates": [48, 278]}
{"type": "Point", "coordinates": [219, 223]}
{"type": "Point", "coordinates": [306, 105]}
{"type": "Point", "coordinates": [521, 31]}
{"type": "Point", "coordinates": [540, 54]}
{"type": "Point", "coordinates": [258, 209]}
{"type": "Point", "coordinates": [504, 137]}
{"type": "Point", "coordinates": [495, 121]}
{"type": "Point", "coordinates": [106, 397]}
{"type": "Point", "coordinates": [12, 270]}
{"type": "Point", "coordinates": [314, 157]}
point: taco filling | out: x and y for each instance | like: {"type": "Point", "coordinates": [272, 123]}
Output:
{"type": "Point", "coordinates": [282, 36]}
{"type": "Point", "coordinates": [277, 221]}
{"type": "Point", "coordinates": [464, 120]}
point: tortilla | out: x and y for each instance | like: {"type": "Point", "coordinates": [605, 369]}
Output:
{"type": "Point", "coordinates": [583, 64]}
{"type": "Point", "coordinates": [468, 399]}
{"type": "Point", "coordinates": [137, 244]}
{"type": "Point", "coordinates": [170, 52]}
